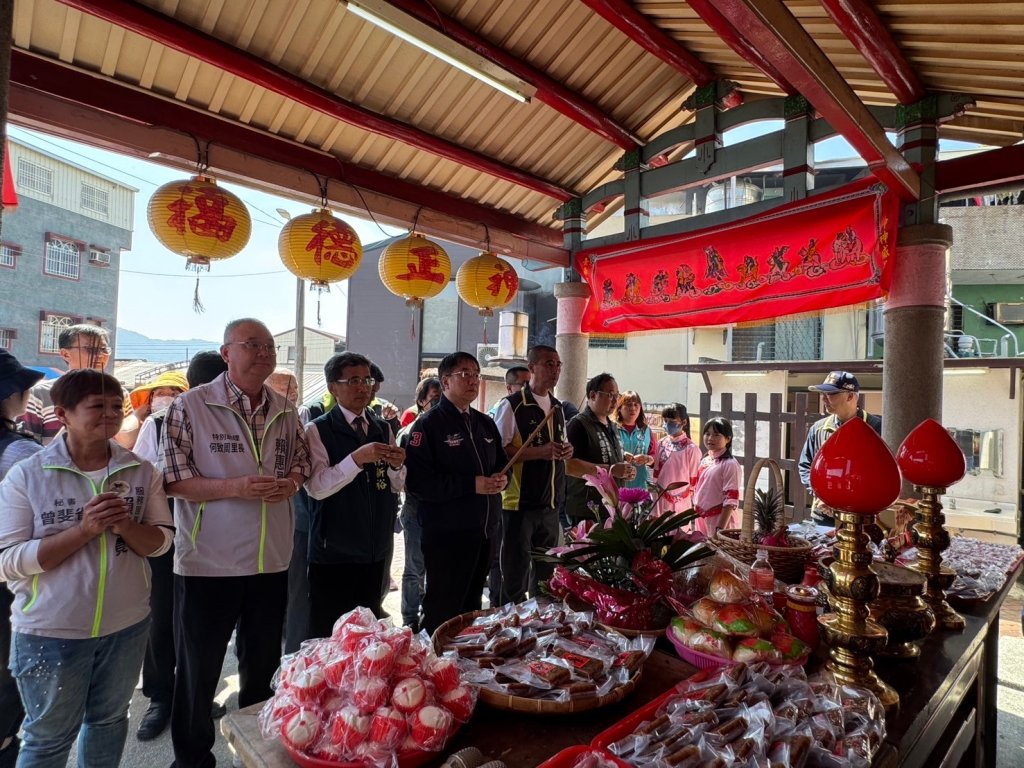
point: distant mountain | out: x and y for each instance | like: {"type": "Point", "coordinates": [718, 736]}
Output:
{"type": "Point", "coordinates": [136, 346]}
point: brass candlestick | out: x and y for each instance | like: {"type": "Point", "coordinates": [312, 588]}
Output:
{"type": "Point", "coordinates": [931, 539]}
{"type": "Point", "coordinates": [855, 474]}
{"type": "Point", "coordinates": [930, 459]}
{"type": "Point", "coordinates": [853, 638]}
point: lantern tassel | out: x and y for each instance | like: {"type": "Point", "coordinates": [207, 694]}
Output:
{"type": "Point", "coordinates": [412, 324]}
{"type": "Point", "coordinates": [318, 323]}
{"type": "Point", "coordinates": [485, 329]}
{"type": "Point", "coordinates": [197, 304]}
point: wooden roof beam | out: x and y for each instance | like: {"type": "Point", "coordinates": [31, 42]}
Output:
{"type": "Point", "coordinates": [623, 16]}
{"type": "Point", "coordinates": [859, 22]}
{"type": "Point", "coordinates": [981, 170]}
{"type": "Point", "coordinates": [206, 48]}
{"type": "Point", "coordinates": [787, 46]}
{"type": "Point", "coordinates": [549, 91]}
{"type": "Point", "coordinates": [708, 11]}
{"type": "Point", "coordinates": [82, 106]}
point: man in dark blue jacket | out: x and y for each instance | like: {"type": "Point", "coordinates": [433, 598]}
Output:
{"type": "Point", "coordinates": [454, 460]}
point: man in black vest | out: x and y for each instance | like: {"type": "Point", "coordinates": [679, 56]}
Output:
{"type": "Point", "coordinates": [536, 489]}
{"type": "Point", "coordinates": [357, 473]}
{"type": "Point", "coordinates": [455, 461]}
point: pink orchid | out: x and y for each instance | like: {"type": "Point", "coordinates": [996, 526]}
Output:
{"type": "Point", "coordinates": [606, 486]}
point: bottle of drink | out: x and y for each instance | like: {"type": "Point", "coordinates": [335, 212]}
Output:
{"type": "Point", "coordinates": [762, 575]}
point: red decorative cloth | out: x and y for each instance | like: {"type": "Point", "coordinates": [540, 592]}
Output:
{"type": "Point", "coordinates": [831, 250]}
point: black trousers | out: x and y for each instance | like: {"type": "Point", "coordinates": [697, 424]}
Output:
{"type": "Point", "coordinates": [456, 563]}
{"type": "Point", "coordinates": [522, 532]}
{"type": "Point", "coordinates": [207, 610]}
{"type": "Point", "coordinates": [11, 713]}
{"type": "Point", "coordinates": [296, 627]}
{"type": "Point", "coordinates": [338, 588]}
{"type": "Point", "coordinates": [158, 664]}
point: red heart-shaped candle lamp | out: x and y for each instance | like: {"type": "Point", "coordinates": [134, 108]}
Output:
{"type": "Point", "coordinates": [854, 471]}
{"type": "Point", "coordinates": [930, 456]}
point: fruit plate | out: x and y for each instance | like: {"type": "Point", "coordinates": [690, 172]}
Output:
{"type": "Point", "coordinates": [709, 661]}
{"type": "Point", "coordinates": [405, 759]}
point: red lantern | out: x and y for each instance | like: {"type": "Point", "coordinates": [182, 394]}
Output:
{"type": "Point", "coordinates": [854, 471]}
{"type": "Point", "coordinates": [929, 456]}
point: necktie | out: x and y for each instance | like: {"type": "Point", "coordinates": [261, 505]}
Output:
{"type": "Point", "coordinates": [359, 426]}
{"type": "Point", "coordinates": [469, 424]}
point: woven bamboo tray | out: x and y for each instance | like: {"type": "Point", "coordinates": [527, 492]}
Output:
{"type": "Point", "coordinates": [788, 562]}
{"type": "Point", "coordinates": [521, 703]}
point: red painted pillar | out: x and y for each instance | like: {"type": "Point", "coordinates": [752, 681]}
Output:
{"type": "Point", "coordinates": [914, 325]}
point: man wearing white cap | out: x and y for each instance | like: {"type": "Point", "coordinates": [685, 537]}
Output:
{"type": "Point", "coordinates": [840, 392]}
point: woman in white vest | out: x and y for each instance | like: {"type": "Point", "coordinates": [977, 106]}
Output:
{"type": "Point", "coordinates": [77, 521]}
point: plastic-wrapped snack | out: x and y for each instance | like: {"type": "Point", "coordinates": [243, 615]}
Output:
{"type": "Point", "coordinates": [410, 694]}
{"type": "Point", "coordinates": [790, 648]}
{"type": "Point", "coordinates": [443, 672]}
{"type": "Point", "coordinates": [274, 713]}
{"type": "Point", "coordinates": [370, 693]}
{"type": "Point", "coordinates": [683, 627]}
{"type": "Point", "coordinates": [714, 643]}
{"type": "Point", "coordinates": [388, 727]}
{"type": "Point", "coordinates": [736, 619]}
{"type": "Point", "coordinates": [727, 587]}
{"type": "Point", "coordinates": [430, 727]}
{"type": "Point", "coordinates": [460, 701]}
{"type": "Point", "coordinates": [792, 752]}
{"type": "Point", "coordinates": [302, 728]}
{"type": "Point", "coordinates": [348, 728]}
{"type": "Point", "coordinates": [704, 610]}
{"type": "Point", "coordinates": [756, 649]}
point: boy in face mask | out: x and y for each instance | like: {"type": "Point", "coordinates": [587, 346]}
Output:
{"type": "Point", "coordinates": [676, 459]}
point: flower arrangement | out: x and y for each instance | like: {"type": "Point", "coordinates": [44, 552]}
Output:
{"type": "Point", "coordinates": [622, 563]}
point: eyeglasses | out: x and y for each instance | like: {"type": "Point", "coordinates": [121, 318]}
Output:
{"type": "Point", "coordinates": [93, 350]}
{"type": "Point", "coordinates": [357, 381]}
{"type": "Point", "coordinates": [257, 346]}
{"type": "Point", "coordinates": [609, 395]}
{"type": "Point", "coordinates": [466, 375]}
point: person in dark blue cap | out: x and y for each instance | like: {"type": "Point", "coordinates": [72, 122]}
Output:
{"type": "Point", "coordinates": [16, 382]}
{"type": "Point", "coordinates": [840, 392]}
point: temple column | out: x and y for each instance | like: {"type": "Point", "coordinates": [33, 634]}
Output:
{"type": "Point", "coordinates": [570, 341]}
{"type": "Point", "coordinates": [914, 326]}
{"type": "Point", "coordinates": [572, 295]}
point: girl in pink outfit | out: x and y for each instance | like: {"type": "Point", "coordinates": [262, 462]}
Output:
{"type": "Point", "coordinates": [717, 492]}
{"type": "Point", "coordinates": [676, 459]}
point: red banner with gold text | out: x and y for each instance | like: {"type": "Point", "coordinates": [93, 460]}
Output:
{"type": "Point", "coordinates": [831, 250]}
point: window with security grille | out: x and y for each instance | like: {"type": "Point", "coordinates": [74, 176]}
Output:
{"type": "Point", "coordinates": [34, 177]}
{"type": "Point", "coordinates": [9, 255]}
{"type": "Point", "coordinates": [95, 199]}
{"type": "Point", "coordinates": [63, 258]}
{"type": "Point", "coordinates": [50, 327]}
{"type": "Point", "coordinates": [7, 337]}
{"type": "Point", "coordinates": [786, 339]}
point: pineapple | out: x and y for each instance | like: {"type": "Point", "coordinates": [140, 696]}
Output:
{"type": "Point", "coordinates": [767, 512]}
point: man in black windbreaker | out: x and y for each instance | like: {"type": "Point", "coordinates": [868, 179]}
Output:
{"type": "Point", "coordinates": [357, 474]}
{"type": "Point", "coordinates": [454, 460]}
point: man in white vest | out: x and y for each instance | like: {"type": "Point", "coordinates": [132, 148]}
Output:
{"type": "Point", "coordinates": [234, 455]}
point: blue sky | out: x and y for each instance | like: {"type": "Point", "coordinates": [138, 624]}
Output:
{"type": "Point", "coordinates": [156, 292]}
{"type": "Point", "coordinates": [155, 295]}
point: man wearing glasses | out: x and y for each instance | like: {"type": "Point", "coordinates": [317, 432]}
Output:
{"type": "Point", "coordinates": [536, 489]}
{"type": "Point", "coordinates": [595, 443]}
{"type": "Point", "coordinates": [357, 475]}
{"type": "Point", "coordinates": [234, 454]}
{"type": "Point", "coordinates": [80, 346]}
{"type": "Point", "coordinates": [455, 459]}
{"type": "Point", "coordinates": [840, 393]}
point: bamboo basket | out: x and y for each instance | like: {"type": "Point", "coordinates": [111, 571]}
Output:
{"type": "Point", "coordinates": [788, 562]}
{"type": "Point", "coordinates": [522, 703]}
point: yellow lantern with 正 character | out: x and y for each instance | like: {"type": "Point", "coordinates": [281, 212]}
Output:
{"type": "Point", "coordinates": [487, 282]}
{"type": "Point", "coordinates": [321, 248]}
{"type": "Point", "coordinates": [415, 269]}
{"type": "Point", "coordinates": [197, 219]}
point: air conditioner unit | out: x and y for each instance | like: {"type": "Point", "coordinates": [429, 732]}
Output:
{"type": "Point", "coordinates": [1010, 312]}
{"type": "Point", "coordinates": [99, 257]}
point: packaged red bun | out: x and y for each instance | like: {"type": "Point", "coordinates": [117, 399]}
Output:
{"type": "Point", "coordinates": [727, 587]}
{"type": "Point", "coordinates": [460, 701]}
{"type": "Point", "coordinates": [429, 727]}
{"type": "Point", "coordinates": [376, 658]}
{"type": "Point", "coordinates": [359, 617]}
{"type": "Point", "coordinates": [406, 666]}
{"type": "Point", "coordinates": [388, 727]}
{"type": "Point", "coordinates": [336, 669]}
{"type": "Point", "coordinates": [302, 728]}
{"type": "Point", "coordinates": [348, 728]}
{"type": "Point", "coordinates": [308, 685]}
{"type": "Point", "coordinates": [409, 694]}
{"type": "Point", "coordinates": [443, 673]}
{"type": "Point", "coordinates": [370, 693]}
{"type": "Point", "coordinates": [353, 636]}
